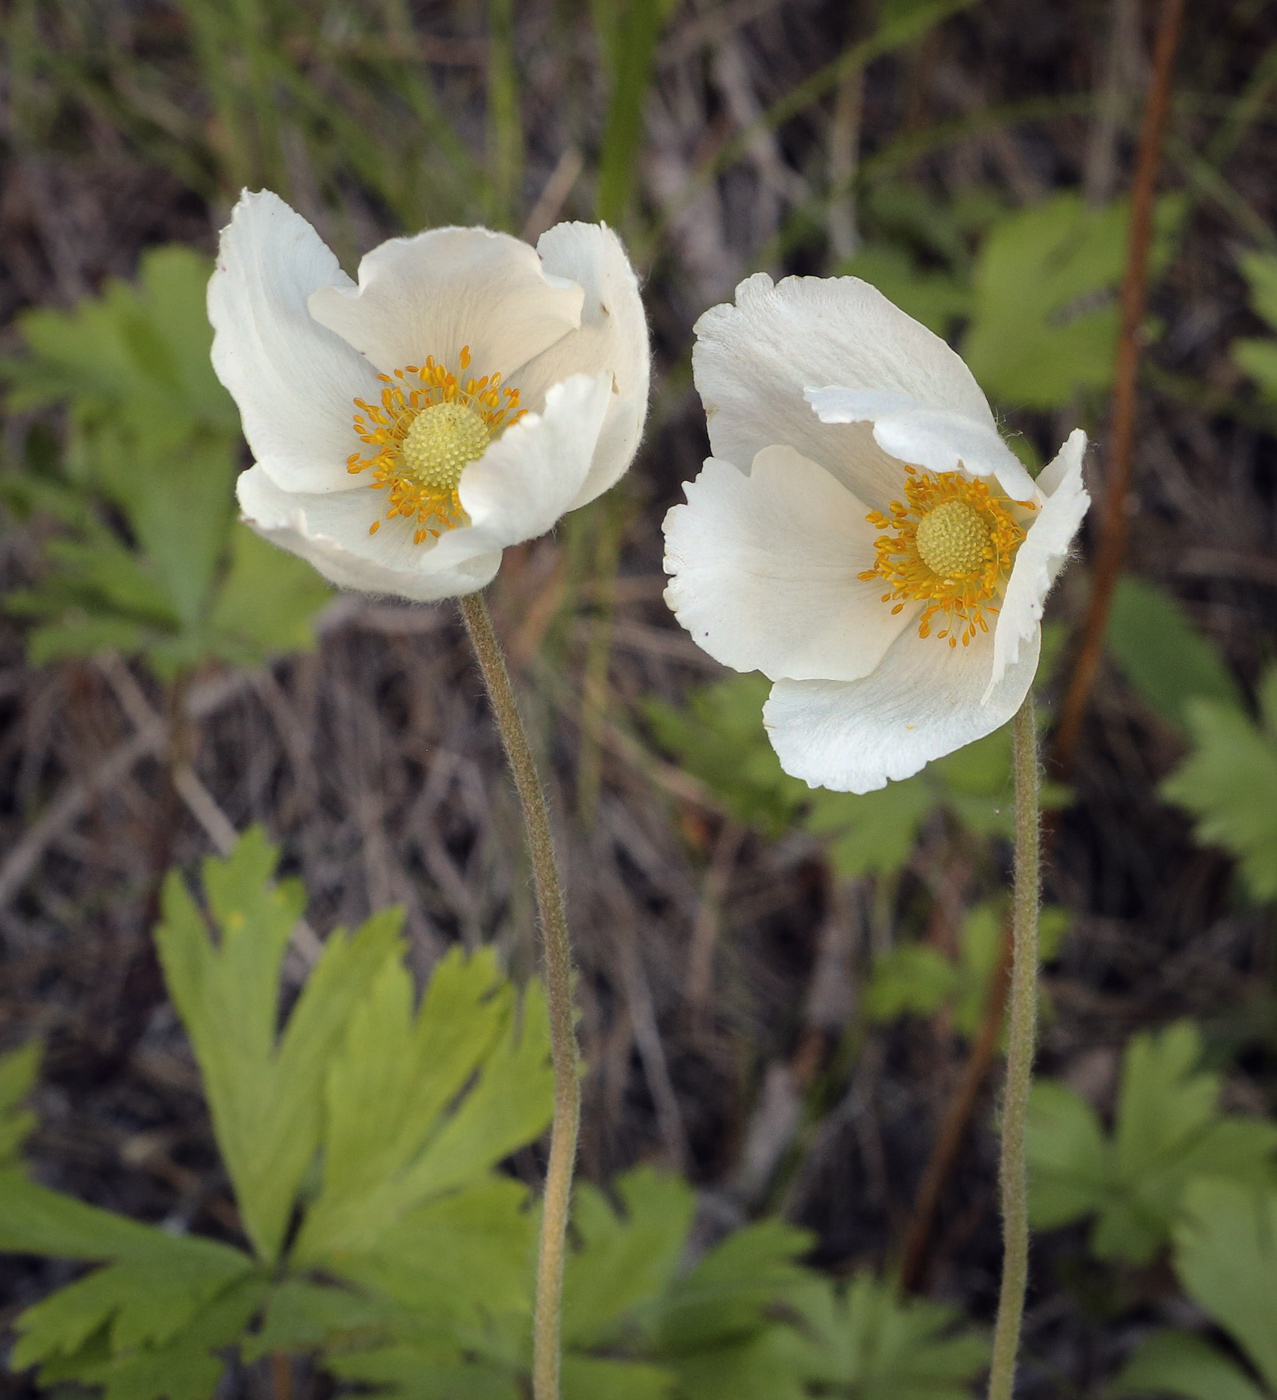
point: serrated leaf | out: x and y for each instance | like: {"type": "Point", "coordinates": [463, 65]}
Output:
{"type": "Point", "coordinates": [626, 1258]}
{"type": "Point", "coordinates": [18, 1070]}
{"type": "Point", "coordinates": [869, 1340]}
{"type": "Point", "coordinates": [935, 298]}
{"type": "Point", "coordinates": [597, 1378]}
{"type": "Point", "coordinates": [872, 833]}
{"type": "Point", "coordinates": [144, 1302]}
{"type": "Point", "coordinates": [910, 979]}
{"type": "Point", "coordinates": [725, 1296]}
{"type": "Point", "coordinates": [393, 1145]}
{"type": "Point", "coordinates": [1044, 313]}
{"type": "Point", "coordinates": [413, 1373]}
{"type": "Point", "coordinates": [1068, 1162]}
{"type": "Point", "coordinates": [186, 1368]}
{"type": "Point", "coordinates": [1226, 1258]}
{"type": "Point", "coordinates": [456, 1257]}
{"type": "Point", "coordinates": [264, 1094]}
{"type": "Point", "coordinates": [719, 737]}
{"type": "Point", "coordinates": [1228, 781]}
{"type": "Point", "coordinates": [1164, 656]}
{"type": "Point", "coordinates": [1168, 1130]}
{"type": "Point", "coordinates": [267, 602]}
{"type": "Point", "coordinates": [1178, 1363]}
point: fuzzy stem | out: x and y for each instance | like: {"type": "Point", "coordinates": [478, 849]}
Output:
{"type": "Point", "coordinates": [558, 986]}
{"type": "Point", "coordinates": [1020, 1047]}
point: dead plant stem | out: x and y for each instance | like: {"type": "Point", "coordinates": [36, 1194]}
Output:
{"type": "Point", "coordinates": [1114, 522]}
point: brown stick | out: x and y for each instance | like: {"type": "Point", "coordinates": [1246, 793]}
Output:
{"type": "Point", "coordinates": [919, 1241]}
{"type": "Point", "coordinates": [1114, 522]}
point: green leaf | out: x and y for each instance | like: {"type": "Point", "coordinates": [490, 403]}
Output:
{"type": "Point", "coordinates": [18, 1070]}
{"type": "Point", "coordinates": [1168, 1130]}
{"type": "Point", "coordinates": [1178, 1363]}
{"type": "Point", "coordinates": [719, 737]}
{"type": "Point", "coordinates": [1226, 1258]}
{"type": "Point", "coordinates": [910, 979]}
{"type": "Point", "coordinates": [186, 1367]}
{"type": "Point", "coordinates": [935, 298]}
{"type": "Point", "coordinates": [146, 1301]}
{"type": "Point", "coordinates": [868, 1341]}
{"type": "Point", "coordinates": [1228, 781]}
{"type": "Point", "coordinates": [1165, 657]}
{"type": "Point", "coordinates": [267, 602]}
{"type": "Point", "coordinates": [400, 1131]}
{"type": "Point", "coordinates": [1260, 270]}
{"type": "Point", "coordinates": [625, 1259]}
{"type": "Point", "coordinates": [1068, 1162]}
{"type": "Point", "coordinates": [596, 1378]}
{"type": "Point", "coordinates": [265, 1096]}
{"type": "Point", "coordinates": [1044, 314]}
{"type": "Point", "coordinates": [727, 1294]}
{"type": "Point", "coordinates": [872, 833]}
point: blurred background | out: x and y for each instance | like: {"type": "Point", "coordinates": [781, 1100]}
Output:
{"type": "Point", "coordinates": [791, 997]}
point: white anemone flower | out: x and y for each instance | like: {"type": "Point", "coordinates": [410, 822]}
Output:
{"type": "Point", "coordinates": [862, 534]}
{"type": "Point", "coordinates": [479, 386]}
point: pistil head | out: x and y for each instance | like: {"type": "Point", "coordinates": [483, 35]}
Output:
{"type": "Point", "coordinates": [428, 427]}
{"type": "Point", "coordinates": [954, 540]}
{"type": "Point", "coordinates": [441, 441]}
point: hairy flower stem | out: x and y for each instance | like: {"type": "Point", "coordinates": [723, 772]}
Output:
{"type": "Point", "coordinates": [1020, 1047]}
{"type": "Point", "coordinates": [558, 986]}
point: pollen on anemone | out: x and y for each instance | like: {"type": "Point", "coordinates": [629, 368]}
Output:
{"type": "Point", "coordinates": [862, 534]}
{"type": "Point", "coordinates": [465, 393]}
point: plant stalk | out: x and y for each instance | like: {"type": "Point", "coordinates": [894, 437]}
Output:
{"type": "Point", "coordinates": [1021, 1035]}
{"type": "Point", "coordinates": [558, 985]}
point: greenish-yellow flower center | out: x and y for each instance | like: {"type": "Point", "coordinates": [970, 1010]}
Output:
{"type": "Point", "coordinates": [441, 441]}
{"type": "Point", "coordinates": [426, 430]}
{"type": "Point", "coordinates": [954, 540]}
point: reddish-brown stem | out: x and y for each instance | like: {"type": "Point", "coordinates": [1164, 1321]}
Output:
{"type": "Point", "coordinates": [919, 1241]}
{"type": "Point", "coordinates": [920, 1236]}
{"type": "Point", "coordinates": [1114, 520]}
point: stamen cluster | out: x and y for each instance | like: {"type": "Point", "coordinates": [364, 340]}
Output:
{"type": "Point", "coordinates": [953, 542]}
{"type": "Point", "coordinates": [421, 469]}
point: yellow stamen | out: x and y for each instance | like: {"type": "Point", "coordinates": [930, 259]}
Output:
{"type": "Point", "coordinates": [954, 541]}
{"type": "Point", "coordinates": [426, 430]}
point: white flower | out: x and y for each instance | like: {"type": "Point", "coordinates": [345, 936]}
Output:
{"type": "Point", "coordinates": [479, 386]}
{"type": "Point", "coordinates": [862, 534]}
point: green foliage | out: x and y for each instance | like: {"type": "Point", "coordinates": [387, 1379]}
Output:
{"type": "Point", "coordinates": [1228, 782]}
{"type": "Point", "coordinates": [1164, 656]}
{"type": "Point", "coordinates": [1043, 311]}
{"type": "Point", "coordinates": [149, 559]}
{"type": "Point", "coordinates": [265, 1094]}
{"type": "Point", "coordinates": [874, 1345]}
{"type": "Point", "coordinates": [1226, 1259]}
{"type": "Point", "coordinates": [1258, 357]}
{"type": "Point", "coordinates": [1168, 1130]}
{"type": "Point", "coordinates": [380, 1124]}
{"type": "Point", "coordinates": [628, 31]}
{"type": "Point", "coordinates": [18, 1070]}
{"type": "Point", "coordinates": [719, 737]}
{"type": "Point", "coordinates": [918, 979]}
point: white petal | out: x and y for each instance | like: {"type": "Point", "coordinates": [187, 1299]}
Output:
{"type": "Point", "coordinates": [922, 701]}
{"type": "Point", "coordinates": [764, 571]}
{"type": "Point", "coordinates": [612, 338]}
{"type": "Point", "coordinates": [294, 381]}
{"type": "Point", "coordinates": [331, 533]}
{"type": "Point", "coordinates": [1046, 546]}
{"type": "Point", "coordinates": [753, 360]}
{"type": "Point", "coordinates": [529, 477]}
{"type": "Point", "coordinates": [938, 439]}
{"type": "Point", "coordinates": [447, 288]}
